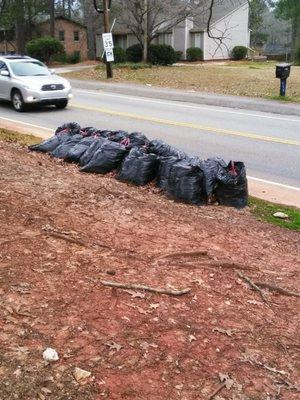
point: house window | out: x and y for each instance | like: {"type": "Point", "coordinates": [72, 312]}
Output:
{"type": "Point", "coordinates": [76, 36]}
{"type": "Point", "coordinates": [61, 36]}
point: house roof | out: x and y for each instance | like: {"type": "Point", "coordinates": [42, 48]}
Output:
{"type": "Point", "coordinates": [220, 9]}
{"type": "Point", "coordinates": [62, 17]}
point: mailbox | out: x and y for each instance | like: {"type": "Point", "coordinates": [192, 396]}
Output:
{"type": "Point", "coordinates": [283, 70]}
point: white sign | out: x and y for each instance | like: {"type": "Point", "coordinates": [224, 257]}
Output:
{"type": "Point", "coordinates": [108, 43]}
{"type": "Point", "coordinates": [109, 55]}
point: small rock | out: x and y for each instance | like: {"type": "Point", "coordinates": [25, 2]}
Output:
{"type": "Point", "coordinates": [280, 215]}
{"type": "Point", "coordinates": [80, 374]}
{"type": "Point", "coordinates": [111, 272]}
{"type": "Point", "coordinates": [50, 355]}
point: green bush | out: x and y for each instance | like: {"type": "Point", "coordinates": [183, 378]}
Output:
{"type": "Point", "coordinates": [134, 53]}
{"type": "Point", "coordinates": [44, 48]}
{"type": "Point", "coordinates": [178, 55]}
{"type": "Point", "coordinates": [194, 54]}
{"type": "Point", "coordinates": [161, 54]}
{"type": "Point", "coordinates": [297, 55]}
{"type": "Point", "coordinates": [239, 52]}
{"type": "Point", "coordinates": [119, 55]}
{"type": "Point", "coordinates": [73, 58]}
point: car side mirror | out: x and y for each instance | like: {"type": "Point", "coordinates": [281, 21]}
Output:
{"type": "Point", "coordinates": [52, 71]}
{"type": "Point", "coordinates": [4, 73]}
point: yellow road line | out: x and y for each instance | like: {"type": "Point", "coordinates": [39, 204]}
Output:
{"type": "Point", "coordinates": [188, 125]}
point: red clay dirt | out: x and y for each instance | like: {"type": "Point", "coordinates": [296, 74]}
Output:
{"type": "Point", "coordinates": [62, 231]}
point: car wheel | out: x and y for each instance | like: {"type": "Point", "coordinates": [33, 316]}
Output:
{"type": "Point", "coordinates": [61, 104]}
{"type": "Point", "coordinates": [17, 101]}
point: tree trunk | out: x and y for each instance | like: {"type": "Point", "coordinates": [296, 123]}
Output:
{"type": "Point", "coordinates": [91, 34]}
{"type": "Point", "coordinates": [52, 18]}
{"type": "Point", "coordinates": [20, 27]}
{"type": "Point", "coordinates": [145, 47]}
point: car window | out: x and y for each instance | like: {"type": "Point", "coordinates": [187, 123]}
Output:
{"type": "Point", "coordinates": [29, 68]}
{"type": "Point", "coordinates": [3, 66]}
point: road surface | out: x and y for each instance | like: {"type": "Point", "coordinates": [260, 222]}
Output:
{"type": "Point", "coordinates": [269, 144]}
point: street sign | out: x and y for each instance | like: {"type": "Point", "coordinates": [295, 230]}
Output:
{"type": "Point", "coordinates": [108, 43]}
{"type": "Point", "coordinates": [109, 55]}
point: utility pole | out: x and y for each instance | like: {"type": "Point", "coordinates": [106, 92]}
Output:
{"type": "Point", "coordinates": [145, 49]}
{"type": "Point", "coordinates": [52, 17]}
{"type": "Point", "coordinates": [105, 11]}
{"type": "Point", "coordinates": [109, 73]}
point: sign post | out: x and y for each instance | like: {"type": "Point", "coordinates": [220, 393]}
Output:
{"type": "Point", "coordinates": [108, 42]}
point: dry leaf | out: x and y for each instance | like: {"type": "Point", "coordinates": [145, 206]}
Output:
{"type": "Point", "coordinates": [228, 332]}
{"type": "Point", "coordinates": [227, 380]}
{"type": "Point", "coordinates": [136, 294]}
{"type": "Point", "coordinates": [191, 338]}
{"type": "Point", "coordinates": [154, 306]}
{"type": "Point", "coordinates": [113, 346]}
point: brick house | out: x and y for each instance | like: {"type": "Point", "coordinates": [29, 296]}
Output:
{"type": "Point", "coordinates": [71, 33]}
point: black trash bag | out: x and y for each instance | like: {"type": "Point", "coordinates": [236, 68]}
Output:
{"type": "Point", "coordinates": [117, 136]}
{"type": "Point", "coordinates": [62, 150]}
{"type": "Point", "coordinates": [103, 133]}
{"type": "Point", "coordinates": [49, 145]}
{"type": "Point", "coordinates": [139, 167]}
{"type": "Point", "coordinates": [185, 183]}
{"type": "Point", "coordinates": [91, 150]}
{"type": "Point", "coordinates": [136, 139]}
{"type": "Point", "coordinates": [232, 186]}
{"type": "Point", "coordinates": [210, 168]}
{"type": "Point", "coordinates": [88, 131]}
{"type": "Point", "coordinates": [165, 166]}
{"type": "Point", "coordinates": [107, 158]}
{"type": "Point", "coordinates": [162, 149]}
{"type": "Point", "coordinates": [71, 128]}
{"type": "Point", "coordinates": [75, 153]}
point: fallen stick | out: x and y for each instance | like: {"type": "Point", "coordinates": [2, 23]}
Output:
{"type": "Point", "coordinates": [253, 285]}
{"type": "Point", "coordinates": [218, 390]}
{"type": "Point", "coordinates": [67, 238]}
{"type": "Point", "coordinates": [184, 254]}
{"type": "Point", "coordinates": [278, 289]}
{"type": "Point", "coordinates": [147, 288]}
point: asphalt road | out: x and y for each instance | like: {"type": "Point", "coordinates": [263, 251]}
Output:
{"type": "Point", "coordinates": [269, 144]}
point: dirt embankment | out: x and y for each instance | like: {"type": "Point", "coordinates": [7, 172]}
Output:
{"type": "Point", "coordinates": [61, 232]}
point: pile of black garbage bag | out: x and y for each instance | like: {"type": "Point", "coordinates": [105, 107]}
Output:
{"type": "Point", "coordinates": [138, 160]}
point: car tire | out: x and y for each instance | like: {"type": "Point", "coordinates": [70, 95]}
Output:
{"type": "Point", "coordinates": [61, 104]}
{"type": "Point", "coordinates": [18, 101]}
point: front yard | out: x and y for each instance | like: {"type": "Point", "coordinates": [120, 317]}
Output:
{"type": "Point", "coordinates": [232, 78]}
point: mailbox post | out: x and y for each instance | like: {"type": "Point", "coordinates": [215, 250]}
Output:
{"type": "Point", "coordinates": [283, 72]}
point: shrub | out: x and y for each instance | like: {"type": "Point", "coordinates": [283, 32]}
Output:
{"type": "Point", "coordinates": [161, 54]}
{"type": "Point", "coordinates": [73, 58]}
{"type": "Point", "coordinates": [44, 48]}
{"type": "Point", "coordinates": [297, 55]}
{"type": "Point", "coordinates": [178, 55]}
{"type": "Point", "coordinates": [194, 54]}
{"type": "Point", "coordinates": [119, 55]}
{"type": "Point", "coordinates": [134, 53]}
{"type": "Point", "coordinates": [239, 52]}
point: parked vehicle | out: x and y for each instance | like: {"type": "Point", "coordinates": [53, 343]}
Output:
{"type": "Point", "coordinates": [25, 80]}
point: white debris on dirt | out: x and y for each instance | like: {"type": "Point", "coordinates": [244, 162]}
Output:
{"type": "Point", "coordinates": [50, 355]}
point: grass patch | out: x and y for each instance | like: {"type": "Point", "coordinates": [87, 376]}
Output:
{"type": "Point", "coordinates": [15, 137]}
{"type": "Point", "coordinates": [264, 211]}
{"type": "Point", "coordinates": [232, 78]}
{"type": "Point", "coordinates": [126, 65]}
{"type": "Point", "coordinates": [284, 98]}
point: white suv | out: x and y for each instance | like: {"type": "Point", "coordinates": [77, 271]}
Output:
{"type": "Point", "coordinates": [24, 80]}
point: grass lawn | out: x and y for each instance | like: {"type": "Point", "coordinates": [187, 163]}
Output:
{"type": "Point", "coordinates": [244, 78]}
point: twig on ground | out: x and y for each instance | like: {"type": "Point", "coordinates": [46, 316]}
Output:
{"type": "Point", "coordinates": [67, 238]}
{"type": "Point", "coordinates": [218, 390]}
{"type": "Point", "coordinates": [253, 285]}
{"type": "Point", "coordinates": [184, 254]}
{"type": "Point", "coordinates": [278, 289]}
{"type": "Point", "coordinates": [147, 288]}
